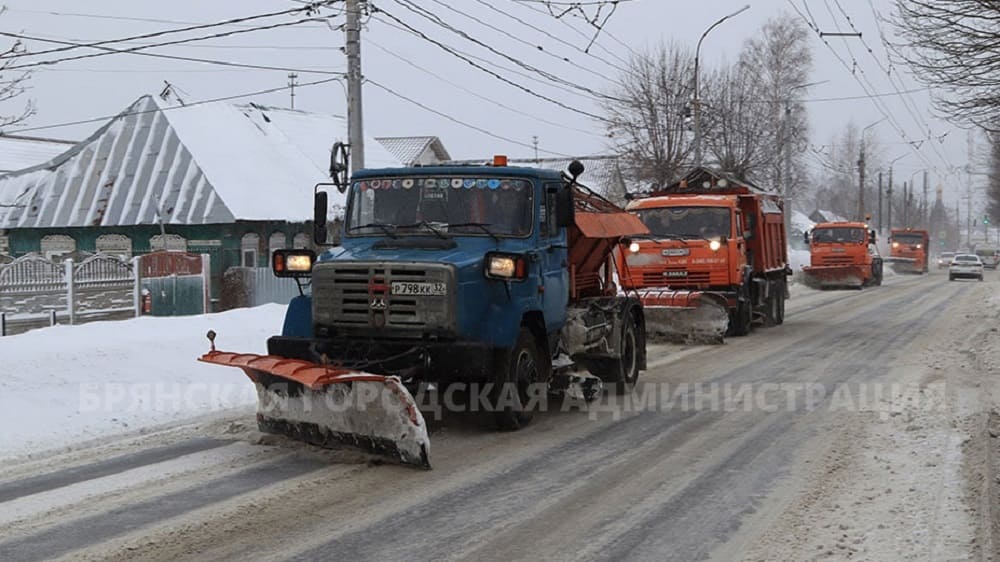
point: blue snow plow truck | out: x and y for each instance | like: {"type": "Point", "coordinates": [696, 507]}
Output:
{"type": "Point", "coordinates": [496, 277]}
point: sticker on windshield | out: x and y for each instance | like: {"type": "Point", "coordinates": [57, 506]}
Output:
{"type": "Point", "coordinates": [493, 184]}
{"type": "Point", "coordinates": [481, 183]}
{"type": "Point", "coordinates": [396, 184]}
{"type": "Point", "coordinates": [407, 184]}
{"type": "Point", "coordinates": [456, 183]}
{"type": "Point", "coordinates": [375, 184]}
{"type": "Point", "coordinates": [467, 184]}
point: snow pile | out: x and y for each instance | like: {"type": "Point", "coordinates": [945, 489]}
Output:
{"type": "Point", "coordinates": [68, 383]}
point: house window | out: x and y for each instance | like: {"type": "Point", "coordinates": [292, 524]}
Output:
{"type": "Point", "coordinates": [116, 245]}
{"type": "Point", "coordinates": [276, 242]}
{"type": "Point", "coordinates": [301, 241]}
{"type": "Point", "coordinates": [56, 246]}
{"type": "Point", "coordinates": [249, 245]}
{"type": "Point", "coordinates": [171, 242]}
{"type": "Point", "coordinates": [4, 244]}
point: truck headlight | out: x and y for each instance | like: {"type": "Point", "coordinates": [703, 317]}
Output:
{"type": "Point", "coordinates": [895, 244]}
{"type": "Point", "coordinates": [506, 266]}
{"type": "Point", "coordinates": [714, 245]}
{"type": "Point", "coordinates": [634, 247]}
{"type": "Point", "coordinates": [292, 263]}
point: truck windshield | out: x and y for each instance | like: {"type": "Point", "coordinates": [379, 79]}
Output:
{"type": "Point", "coordinates": [470, 206]}
{"type": "Point", "coordinates": [838, 235]}
{"type": "Point", "coordinates": [687, 222]}
{"type": "Point", "coordinates": [909, 239]}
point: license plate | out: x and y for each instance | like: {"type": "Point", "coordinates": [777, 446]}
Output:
{"type": "Point", "coordinates": [674, 252]}
{"type": "Point", "coordinates": [418, 289]}
{"type": "Point", "coordinates": [675, 274]}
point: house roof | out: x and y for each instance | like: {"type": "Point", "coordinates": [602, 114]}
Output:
{"type": "Point", "coordinates": [18, 152]}
{"type": "Point", "coordinates": [409, 149]}
{"type": "Point", "coordinates": [200, 164]}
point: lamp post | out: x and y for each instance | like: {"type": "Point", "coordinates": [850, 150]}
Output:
{"type": "Point", "coordinates": [908, 200]}
{"type": "Point", "coordinates": [697, 99]}
{"type": "Point", "coordinates": [861, 171]}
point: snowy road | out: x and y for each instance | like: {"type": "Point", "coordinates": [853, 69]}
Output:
{"type": "Point", "coordinates": [859, 429]}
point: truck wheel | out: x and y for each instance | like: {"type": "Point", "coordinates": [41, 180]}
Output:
{"type": "Point", "coordinates": [739, 324]}
{"type": "Point", "coordinates": [621, 373]}
{"type": "Point", "coordinates": [516, 372]}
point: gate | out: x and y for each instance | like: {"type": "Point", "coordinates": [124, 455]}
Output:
{"type": "Point", "coordinates": [174, 283]}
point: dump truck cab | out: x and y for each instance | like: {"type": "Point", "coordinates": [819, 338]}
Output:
{"type": "Point", "coordinates": [908, 249]}
{"type": "Point", "coordinates": [842, 254]}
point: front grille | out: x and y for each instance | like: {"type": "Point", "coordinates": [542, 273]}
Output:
{"type": "Point", "coordinates": [836, 260]}
{"type": "Point", "coordinates": [356, 294]}
{"type": "Point", "coordinates": [658, 279]}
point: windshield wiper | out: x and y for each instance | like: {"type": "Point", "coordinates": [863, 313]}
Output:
{"type": "Point", "coordinates": [484, 226]}
{"type": "Point", "coordinates": [429, 226]}
{"type": "Point", "coordinates": [388, 229]}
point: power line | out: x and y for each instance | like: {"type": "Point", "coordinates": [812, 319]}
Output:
{"type": "Point", "coordinates": [165, 32]}
{"type": "Point", "coordinates": [593, 41]}
{"type": "Point", "coordinates": [188, 104]}
{"type": "Point", "coordinates": [136, 50]}
{"type": "Point", "coordinates": [435, 19]}
{"type": "Point", "coordinates": [477, 94]}
{"type": "Point", "coordinates": [460, 122]}
{"type": "Point", "coordinates": [496, 75]}
{"type": "Point", "coordinates": [117, 18]}
{"type": "Point", "coordinates": [160, 56]}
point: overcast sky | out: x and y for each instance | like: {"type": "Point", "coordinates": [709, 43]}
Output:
{"type": "Point", "coordinates": [90, 88]}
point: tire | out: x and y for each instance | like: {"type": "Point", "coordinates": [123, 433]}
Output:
{"type": "Point", "coordinates": [951, 278]}
{"type": "Point", "coordinates": [739, 324]}
{"type": "Point", "coordinates": [520, 366]}
{"type": "Point", "coordinates": [621, 373]}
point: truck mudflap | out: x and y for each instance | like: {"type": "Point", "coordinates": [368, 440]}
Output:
{"type": "Point", "coordinates": [820, 276]}
{"type": "Point", "coordinates": [328, 406]}
{"type": "Point", "coordinates": [686, 316]}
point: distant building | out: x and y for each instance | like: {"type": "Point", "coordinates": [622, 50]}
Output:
{"type": "Point", "coordinates": [232, 181]}
{"type": "Point", "coordinates": [18, 152]}
{"type": "Point", "coordinates": [415, 151]}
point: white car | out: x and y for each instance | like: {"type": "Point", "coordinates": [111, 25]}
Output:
{"type": "Point", "coordinates": [944, 260]}
{"type": "Point", "coordinates": [967, 266]}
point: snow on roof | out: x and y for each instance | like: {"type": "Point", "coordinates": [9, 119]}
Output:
{"type": "Point", "coordinates": [17, 152]}
{"type": "Point", "coordinates": [201, 164]}
{"type": "Point", "coordinates": [409, 149]}
{"type": "Point", "coordinates": [801, 222]}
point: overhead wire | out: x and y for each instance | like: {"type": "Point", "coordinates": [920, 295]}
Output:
{"type": "Point", "coordinates": [453, 119]}
{"type": "Point", "coordinates": [188, 104]}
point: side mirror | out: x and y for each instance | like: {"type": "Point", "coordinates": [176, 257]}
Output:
{"type": "Point", "coordinates": [339, 166]}
{"type": "Point", "coordinates": [320, 205]}
{"type": "Point", "coordinates": [805, 238]}
{"type": "Point", "coordinates": [565, 207]}
{"type": "Point", "coordinates": [871, 237]}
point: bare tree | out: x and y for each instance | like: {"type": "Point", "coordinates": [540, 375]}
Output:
{"type": "Point", "coordinates": [993, 188]}
{"type": "Point", "coordinates": [13, 84]}
{"type": "Point", "coordinates": [953, 44]}
{"type": "Point", "coordinates": [780, 59]}
{"type": "Point", "coordinates": [739, 131]}
{"type": "Point", "coordinates": [645, 118]}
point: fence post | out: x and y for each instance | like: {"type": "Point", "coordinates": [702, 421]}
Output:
{"type": "Point", "coordinates": [52, 317]}
{"type": "Point", "coordinates": [137, 292]}
{"type": "Point", "coordinates": [3, 324]}
{"type": "Point", "coordinates": [70, 291]}
{"type": "Point", "coordinates": [206, 264]}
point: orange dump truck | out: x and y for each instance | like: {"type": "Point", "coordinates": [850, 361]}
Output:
{"type": "Point", "coordinates": [716, 259]}
{"type": "Point", "coordinates": [908, 250]}
{"type": "Point", "coordinates": [842, 254]}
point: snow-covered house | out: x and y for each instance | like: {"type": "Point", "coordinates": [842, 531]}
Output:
{"type": "Point", "coordinates": [233, 181]}
{"type": "Point", "coordinates": [416, 151]}
{"type": "Point", "coordinates": [18, 152]}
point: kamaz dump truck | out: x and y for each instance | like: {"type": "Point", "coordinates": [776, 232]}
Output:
{"type": "Point", "coordinates": [494, 275]}
{"type": "Point", "coordinates": [842, 255]}
{"type": "Point", "coordinates": [716, 259]}
{"type": "Point", "coordinates": [908, 249]}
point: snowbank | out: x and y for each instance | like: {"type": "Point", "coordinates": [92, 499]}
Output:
{"type": "Point", "coordinates": [68, 383]}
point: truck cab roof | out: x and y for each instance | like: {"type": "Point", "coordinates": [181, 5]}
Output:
{"type": "Point", "coordinates": [452, 170]}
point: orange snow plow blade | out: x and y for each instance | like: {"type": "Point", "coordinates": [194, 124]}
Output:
{"type": "Point", "coordinates": [685, 316]}
{"type": "Point", "coordinates": [819, 277]}
{"type": "Point", "coordinates": [328, 406]}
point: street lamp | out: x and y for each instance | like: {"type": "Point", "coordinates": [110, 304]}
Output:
{"type": "Point", "coordinates": [861, 171]}
{"type": "Point", "coordinates": [697, 100]}
{"type": "Point", "coordinates": [908, 200]}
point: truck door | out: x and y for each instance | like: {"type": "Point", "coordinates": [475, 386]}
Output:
{"type": "Point", "coordinates": [554, 262]}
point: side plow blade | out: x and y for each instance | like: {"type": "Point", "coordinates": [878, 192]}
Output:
{"type": "Point", "coordinates": [685, 316]}
{"type": "Point", "coordinates": [327, 406]}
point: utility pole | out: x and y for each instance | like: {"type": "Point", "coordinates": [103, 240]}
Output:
{"type": "Point", "coordinates": [906, 206]}
{"type": "Point", "coordinates": [291, 86]}
{"type": "Point", "coordinates": [534, 141]}
{"type": "Point", "coordinates": [880, 201]}
{"type": "Point", "coordinates": [352, 48]}
{"type": "Point", "coordinates": [924, 219]}
{"type": "Point", "coordinates": [861, 182]}
{"type": "Point", "coordinates": [888, 194]}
